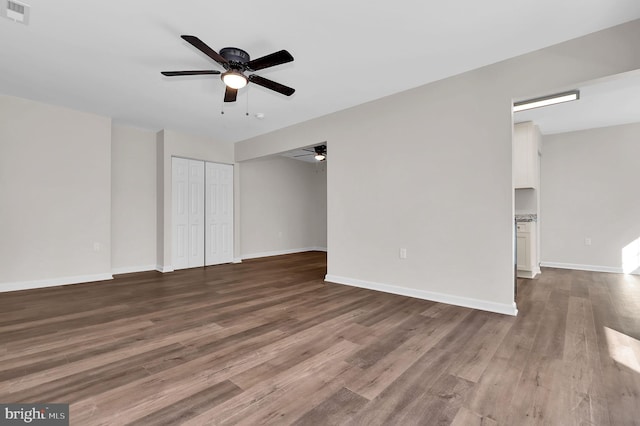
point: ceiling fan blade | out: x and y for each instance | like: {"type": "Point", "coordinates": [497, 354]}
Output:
{"type": "Point", "coordinates": [230, 94]}
{"type": "Point", "coordinates": [176, 73]}
{"type": "Point", "coordinates": [276, 58]}
{"type": "Point", "coordinates": [270, 84]}
{"type": "Point", "coordinates": [303, 155]}
{"type": "Point", "coordinates": [202, 46]}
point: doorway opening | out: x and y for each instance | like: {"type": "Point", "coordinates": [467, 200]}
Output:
{"type": "Point", "coordinates": [583, 216]}
{"type": "Point", "coordinates": [283, 201]}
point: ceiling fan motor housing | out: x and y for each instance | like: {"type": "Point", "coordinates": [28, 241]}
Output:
{"type": "Point", "coordinates": [235, 55]}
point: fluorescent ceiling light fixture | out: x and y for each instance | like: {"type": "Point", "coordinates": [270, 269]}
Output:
{"type": "Point", "coordinates": [558, 98]}
{"type": "Point", "coordinates": [234, 79]}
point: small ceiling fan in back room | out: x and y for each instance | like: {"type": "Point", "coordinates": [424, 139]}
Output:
{"type": "Point", "coordinates": [236, 63]}
{"type": "Point", "coordinates": [319, 152]}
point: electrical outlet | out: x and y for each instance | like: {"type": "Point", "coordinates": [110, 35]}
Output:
{"type": "Point", "coordinates": [403, 253]}
{"type": "Point", "coordinates": [587, 241]}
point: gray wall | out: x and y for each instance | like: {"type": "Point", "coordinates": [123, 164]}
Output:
{"type": "Point", "coordinates": [133, 199]}
{"type": "Point", "coordinates": [590, 185]}
{"type": "Point", "coordinates": [82, 198]}
{"type": "Point", "coordinates": [55, 192]}
{"type": "Point", "coordinates": [441, 184]}
{"type": "Point", "coordinates": [320, 206]}
{"type": "Point", "coordinates": [283, 206]}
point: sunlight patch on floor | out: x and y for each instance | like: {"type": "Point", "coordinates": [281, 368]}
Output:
{"type": "Point", "coordinates": [621, 349]}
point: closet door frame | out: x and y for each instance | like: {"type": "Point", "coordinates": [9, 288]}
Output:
{"type": "Point", "coordinates": [202, 206]}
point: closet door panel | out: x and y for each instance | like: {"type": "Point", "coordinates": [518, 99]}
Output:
{"type": "Point", "coordinates": [180, 212]}
{"type": "Point", "coordinates": [196, 213]}
{"type": "Point", "coordinates": [219, 213]}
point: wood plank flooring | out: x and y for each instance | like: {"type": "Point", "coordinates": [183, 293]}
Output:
{"type": "Point", "coordinates": [268, 342]}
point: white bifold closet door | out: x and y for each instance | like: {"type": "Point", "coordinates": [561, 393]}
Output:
{"type": "Point", "coordinates": [188, 212]}
{"type": "Point", "coordinates": [219, 214]}
{"type": "Point", "coordinates": [202, 213]}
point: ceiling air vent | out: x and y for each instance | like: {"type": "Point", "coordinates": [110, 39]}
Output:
{"type": "Point", "coordinates": [15, 11]}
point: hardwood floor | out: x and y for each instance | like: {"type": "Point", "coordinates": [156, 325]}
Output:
{"type": "Point", "coordinates": [268, 342]}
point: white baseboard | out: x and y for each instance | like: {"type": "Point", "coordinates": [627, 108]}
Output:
{"type": "Point", "coordinates": [28, 285]}
{"type": "Point", "coordinates": [527, 274]}
{"type": "Point", "coordinates": [281, 252]}
{"type": "Point", "coordinates": [164, 269]}
{"type": "Point", "coordinates": [237, 260]}
{"type": "Point", "coordinates": [592, 268]}
{"type": "Point", "coordinates": [484, 305]}
{"type": "Point", "coordinates": [132, 269]}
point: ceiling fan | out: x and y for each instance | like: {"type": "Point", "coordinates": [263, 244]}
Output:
{"type": "Point", "coordinates": [319, 152]}
{"type": "Point", "coordinates": [236, 63]}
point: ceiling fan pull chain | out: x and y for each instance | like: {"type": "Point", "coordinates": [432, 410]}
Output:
{"type": "Point", "coordinates": [247, 112]}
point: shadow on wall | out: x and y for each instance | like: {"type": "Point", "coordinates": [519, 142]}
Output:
{"type": "Point", "coordinates": [631, 257]}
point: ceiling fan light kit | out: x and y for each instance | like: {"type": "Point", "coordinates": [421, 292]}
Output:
{"type": "Point", "coordinates": [236, 62]}
{"type": "Point", "coordinates": [234, 79]}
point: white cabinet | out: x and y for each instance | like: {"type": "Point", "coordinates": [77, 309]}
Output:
{"type": "Point", "coordinates": [523, 252]}
{"type": "Point", "coordinates": [526, 250]}
{"type": "Point", "coordinates": [526, 166]}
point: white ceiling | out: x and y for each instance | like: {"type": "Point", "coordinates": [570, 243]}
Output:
{"type": "Point", "coordinates": [609, 102]}
{"type": "Point", "coordinates": [106, 56]}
